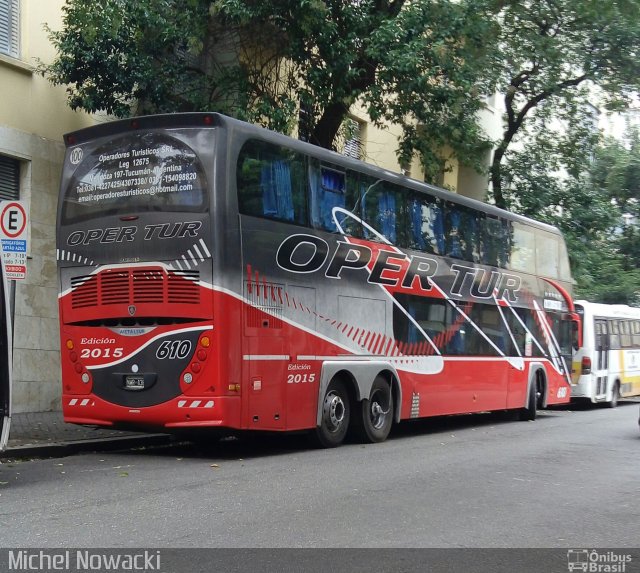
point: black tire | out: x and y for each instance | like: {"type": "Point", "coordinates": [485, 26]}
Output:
{"type": "Point", "coordinates": [373, 417]}
{"type": "Point", "coordinates": [615, 396]}
{"type": "Point", "coordinates": [336, 415]}
{"type": "Point", "coordinates": [530, 412]}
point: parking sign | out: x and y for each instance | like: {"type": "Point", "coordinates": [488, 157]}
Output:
{"type": "Point", "coordinates": [13, 238]}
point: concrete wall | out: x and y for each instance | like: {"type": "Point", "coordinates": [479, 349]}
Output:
{"type": "Point", "coordinates": [33, 118]}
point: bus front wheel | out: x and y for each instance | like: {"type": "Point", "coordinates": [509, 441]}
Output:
{"type": "Point", "coordinates": [336, 413]}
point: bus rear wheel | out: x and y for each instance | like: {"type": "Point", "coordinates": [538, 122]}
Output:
{"type": "Point", "coordinates": [615, 396]}
{"type": "Point", "coordinates": [336, 414]}
{"type": "Point", "coordinates": [530, 412]}
{"type": "Point", "coordinates": [373, 417]}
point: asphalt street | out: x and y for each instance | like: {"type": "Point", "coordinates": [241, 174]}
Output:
{"type": "Point", "coordinates": [568, 479]}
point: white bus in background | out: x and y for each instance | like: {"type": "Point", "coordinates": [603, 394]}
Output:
{"type": "Point", "coordinates": [5, 359]}
{"type": "Point", "coordinates": [607, 366]}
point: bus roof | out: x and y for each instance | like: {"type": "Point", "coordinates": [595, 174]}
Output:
{"type": "Point", "coordinates": [609, 310]}
{"type": "Point", "coordinates": [204, 119]}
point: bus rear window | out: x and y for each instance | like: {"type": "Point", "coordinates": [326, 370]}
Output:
{"type": "Point", "coordinates": [135, 173]}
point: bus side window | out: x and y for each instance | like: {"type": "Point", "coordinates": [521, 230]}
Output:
{"type": "Point", "coordinates": [272, 182]}
{"type": "Point", "coordinates": [495, 241]}
{"type": "Point", "coordinates": [547, 254]}
{"type": "Point", "coordinates": [425, 225]}
{"type": "Point", "coordinates": [625, 333]}
{"type": "Point", "coordinates": [379, 201]}
{"type": "Point", "coordinates": [462, 233]}
{"type": "Point", "coordinates": [614, 336]}
{"type": "Point", "coordinates": [428, 313]}
{"type": "Point", "coordinates": [328, 187]}
{"type": "Point", "coordinates": [523, 249]}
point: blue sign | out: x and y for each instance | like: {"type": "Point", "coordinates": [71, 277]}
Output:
{"type": "Point", "coordinates": [14, 246]}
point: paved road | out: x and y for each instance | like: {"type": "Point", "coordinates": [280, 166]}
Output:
{"type": "Point", "coordinates": [570, 479]}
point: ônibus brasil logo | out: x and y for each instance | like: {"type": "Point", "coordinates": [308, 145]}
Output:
{"type": "Point", "coordinates": [597, 561]}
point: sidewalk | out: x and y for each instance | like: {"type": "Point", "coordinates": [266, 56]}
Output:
{"type": "Point", "coordinates": [45, 434]}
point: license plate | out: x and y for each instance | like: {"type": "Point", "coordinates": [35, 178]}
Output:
{"type": "Point", "coordinates": [134, 382]}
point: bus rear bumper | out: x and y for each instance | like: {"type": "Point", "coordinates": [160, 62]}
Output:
{"type": "Point", "coordinates": [181, 412]}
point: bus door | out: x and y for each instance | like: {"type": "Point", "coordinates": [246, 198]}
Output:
{"type": "Point", "coordinates": [5, 362]}
{"type": "Point", "coordinates": [265, 357]}
{"type": "Point", "coordinates": [601, 357]}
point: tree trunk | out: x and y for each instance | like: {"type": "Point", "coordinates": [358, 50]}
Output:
{"type": "Point", "coordinates": [496, 177]}
{"type": "Point", "coordinates": [325, 131]}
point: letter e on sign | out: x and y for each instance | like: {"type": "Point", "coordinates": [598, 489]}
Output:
{"type": "Point", "coordinates": [13, 220]}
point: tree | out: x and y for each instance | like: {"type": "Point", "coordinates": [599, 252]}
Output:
{"type": "Point", "coordinates": [417, 64]}
{"type": "Point", "coordinates": [549, 50]}
{"type": "Point", "coordinates": [565, 175]}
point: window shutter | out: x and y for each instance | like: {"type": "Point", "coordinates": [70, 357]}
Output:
{"type": "Point", "coordinates": [9, 178]}
{"type": "Point", "coordinates": [10, 27]}
{"type": "Point", "coordinates": [353, 147]}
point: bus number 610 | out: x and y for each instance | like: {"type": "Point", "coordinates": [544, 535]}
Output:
{"type": "Point", "coordinates": [174, 349]}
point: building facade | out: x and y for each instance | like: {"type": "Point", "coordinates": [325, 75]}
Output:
{"type": "Point", "coordinates": [33, 117]}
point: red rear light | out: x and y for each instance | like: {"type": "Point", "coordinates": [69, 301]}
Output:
{"type": "Point", "coordinates": [586, 365]}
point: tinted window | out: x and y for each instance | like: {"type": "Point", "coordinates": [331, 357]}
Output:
{"type": "Point", "coordinates": [380, 202]}
{"type": "Point", "coordinates": [332, 187]}
{"type": "Point", "coordinates": [495, 241]}
{"type": "Point", "coordinates": [448, 328]}
{"type": "Point", "coordinates": [463, 229]}
{"type": "Point", "coordinates": [563, 262]}
{"type": "Point", "coordinates": [547, 255]}
{"type": "Point", "coordinates": [425, 218]}
{"type": "Point", "coordinates": [523, 249]}
{"type": "Point", "coordinates": [272, 182]}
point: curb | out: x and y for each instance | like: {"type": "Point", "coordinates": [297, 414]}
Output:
{"type": "Point", "coordinates": [62, 449]}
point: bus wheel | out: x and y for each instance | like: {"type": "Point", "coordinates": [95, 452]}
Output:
{"type": "Point", "coordinates": [336, 413]}
{"type": "Point", "coordinates": [531, 410]}
{"type": "Point", "coordinates": [373, 417]}
{"type": "Point", "coordinates": [615, 396]}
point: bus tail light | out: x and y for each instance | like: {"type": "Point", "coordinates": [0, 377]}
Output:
{"type": "Point", "coordinates": [586, 365]}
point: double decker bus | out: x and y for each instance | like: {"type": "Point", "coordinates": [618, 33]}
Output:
{"type": "Point", "coordinates": [6, 353]}
{"type": "Point", "coordinates": [214, 274]}
{"type": "Point", "coordinates": [607, 366]}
